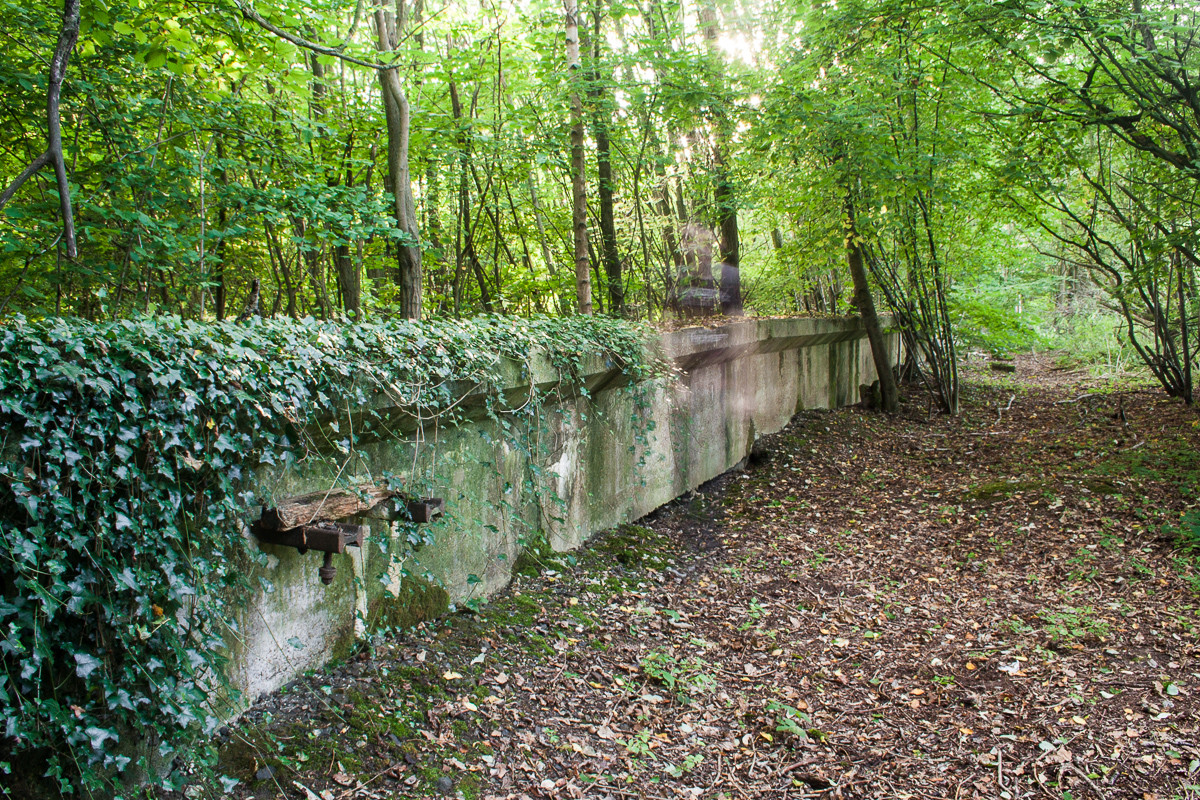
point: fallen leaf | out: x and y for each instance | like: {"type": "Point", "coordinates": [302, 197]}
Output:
{"type": "Point", "coordinates": [309, 794]}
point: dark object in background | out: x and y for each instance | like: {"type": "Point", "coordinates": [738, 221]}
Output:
{"type": "Point", "coordinates": [699, 300]}
{"type": "Point", "coordinates": [252, 305]}
{"type": "Point", "coordinates": [731, 291]}
{"type": "Point", "coordinates": [759, 454]}
{"type": "Point", "coordinates": [870, 396]}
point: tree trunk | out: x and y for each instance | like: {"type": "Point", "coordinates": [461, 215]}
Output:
{"type": "Point", "coordinates": [889, 396]}
{"type": "Point", "coordinates": [67, 37]}
{"type": "Point", "coordinates": [397, 113]}
{"type": "Point", "coordinates": [220, 287]}
{"type": "Point", "coordinates": [730, 246]}
{"type": "Point", "coordinates": [468, 253]}
{"type": "Point", "coordinates": [583, 279]}
{"type": "Point", "coordinates": [541, 223]}
{"type": "Point", "coordinates": [608, 227]}
{"type": "Point", "coordinates": [723, 192]}
{"type": "Point", "coordinates": [348, 279]}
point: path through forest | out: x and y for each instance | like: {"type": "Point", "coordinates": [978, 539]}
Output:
{"type": "Point", "coordinates": [987, 606]}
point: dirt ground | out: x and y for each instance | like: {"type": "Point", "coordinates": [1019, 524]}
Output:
{"type": "Point", "coordinates": [993, 605]}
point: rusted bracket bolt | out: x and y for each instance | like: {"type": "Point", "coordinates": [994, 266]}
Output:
{"type": "Point", "coordinates": [327, 571]}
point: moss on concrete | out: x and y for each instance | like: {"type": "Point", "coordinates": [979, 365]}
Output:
{"type": "Point", "coordinates": [535, 556]}
{"type": "Point", "coordinates": [632, 545]}
{"type": "Point", "coordinates": [418, 600]}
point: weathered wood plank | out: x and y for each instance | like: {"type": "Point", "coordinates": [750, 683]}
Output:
{"type": "Point", "coordinates": [333, 504]}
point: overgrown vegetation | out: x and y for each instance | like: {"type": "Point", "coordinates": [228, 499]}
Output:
{"type": "Point", "coordinates": [1011, 175]}
{"type": "Point", "coordinates": [129, 453]}
{"type": "Point", "coordinates": [1003, 169]}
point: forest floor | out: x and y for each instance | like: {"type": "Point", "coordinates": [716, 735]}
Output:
{"type": "Point", "coordinates": [993, 605]}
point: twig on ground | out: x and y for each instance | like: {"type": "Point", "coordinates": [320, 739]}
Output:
{"type": "Point", "coordinates": [1088, 780]}
{"type": "Point", "coordinates": [718, 778]}
{"type": "Point", "coordinates": [797, 765]}
{"type": "Point", "coordinates": [1000, 414]}
{"type": "Point", "coordinates": [1083, 396]}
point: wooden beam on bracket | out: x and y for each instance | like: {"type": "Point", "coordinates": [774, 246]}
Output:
{"type": "Point", "coordinates": [307, 509]}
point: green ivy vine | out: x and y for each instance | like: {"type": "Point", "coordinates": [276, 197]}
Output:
{"type": "Point", "coordinates": [126, 456]}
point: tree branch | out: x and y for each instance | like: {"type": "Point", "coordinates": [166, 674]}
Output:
{"type": "Point", "coordinates": [67, 36]}
{"type": "Point", "coordinates": [30, 171]}
{"type": "Point", "coordinates": [253, 16]}
{"type": "Point", "coordinates": [58, 71]}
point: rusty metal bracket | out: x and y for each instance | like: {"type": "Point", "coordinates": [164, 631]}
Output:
{"type": "Point", "coordinates": [325, 537]}
{"type": "Point", "coordinates": [330, 537]}
{"type": "Point", "coordinates": [425, 509]}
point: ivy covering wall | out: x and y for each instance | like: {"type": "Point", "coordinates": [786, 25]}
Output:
{"type": "Point", "coordinates": [127, 454]}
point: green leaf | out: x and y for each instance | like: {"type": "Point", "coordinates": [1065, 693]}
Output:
{"type": "Point", "coordinates": [156, 57]}
{"type": "Point", "coordinates": [86, 664]}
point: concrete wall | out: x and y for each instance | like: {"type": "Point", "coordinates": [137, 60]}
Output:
{"type": "Point", "coordinates": [603, 457]}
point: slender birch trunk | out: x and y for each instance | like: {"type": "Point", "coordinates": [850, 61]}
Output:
{"type": "Point", "coordinates": [583, 278]}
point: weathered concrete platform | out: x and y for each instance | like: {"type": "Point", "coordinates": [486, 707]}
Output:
{"type": "Point", "coordinates": [601, 457]}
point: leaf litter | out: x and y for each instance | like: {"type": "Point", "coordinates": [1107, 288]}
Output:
{"type": "Point", "coordinates": [994, 605]}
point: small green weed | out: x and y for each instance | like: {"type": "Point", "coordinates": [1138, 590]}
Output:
{"type": "Point", "coordinates": [1083, 567]}
{"type": "Point", "coordinates": [789, 719]}
{"type": "Point", "coordinates": [1016, 625]}
{"type": "Point", "coordinates": [639, 744]}
{"type": "Point", "coordinates": [1186, 534]}
{"type": "Point", "coordinates": [1070, 624]}
{"type": "Point", "coordinates": [685, 677]}
{"type": "Point", "coordinates": [690, 762]}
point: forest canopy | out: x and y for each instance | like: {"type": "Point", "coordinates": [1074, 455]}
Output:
{"type": "Point", "coordinates": [1007, 175]}
{"type": "Point", "coordinates": [378, 179]}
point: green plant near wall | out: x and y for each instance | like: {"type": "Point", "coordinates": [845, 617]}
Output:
{"type": "Point", "coordinates": [127, 455]}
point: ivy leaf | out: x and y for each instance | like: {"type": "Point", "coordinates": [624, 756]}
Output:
{"type": "Point", "coordinates": [98, 736]}
{"type": "Point", "coordinates": [86, 664]}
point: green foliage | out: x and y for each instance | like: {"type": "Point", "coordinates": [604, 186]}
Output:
{"type": "Point", "coordinates": [1187, 533]}
{"type": "Point", "coordinates": [129, 452]}
{"type": "Point", "coordinates": [686, 677]}
{"type": "Point", "coordinates": [1068, 624]}
{"type": "Point", "coordinates": [639, 744]}
{"type": "Point", "coordinates": [1093, 339]}
{"type": "Point", "coordinates": [984, 323]}
{"type": "Point", "coordinates": [789, 719]}
{"type": "Point", "coordinates": [690, 762]}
